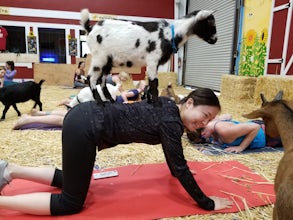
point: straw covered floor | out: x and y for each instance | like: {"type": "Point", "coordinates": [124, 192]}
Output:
{"type": "Point", "coordinates": [43, 148]}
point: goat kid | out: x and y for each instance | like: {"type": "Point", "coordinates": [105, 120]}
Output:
{"type": "Point", "coordinates": [278, 118]}
{"type": "Point", "coordinates": [20, 92]}
{"type": "Point", "coordinates": [122, 43]}
{"type": "Point", "coordinates": [86, 94]}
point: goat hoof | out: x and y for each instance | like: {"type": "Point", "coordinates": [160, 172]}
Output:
{"type": "Point", "coordinates": [155, 102]}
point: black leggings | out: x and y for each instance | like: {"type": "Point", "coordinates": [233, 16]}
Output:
{"type": "Point", "coordinates": [81, 129]}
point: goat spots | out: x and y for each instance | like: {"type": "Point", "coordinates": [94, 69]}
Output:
{"type": "Point", "coordinates": [129, 64]}
{"type": "Point", "coordinates": [149, 26]}
{"type": "Point", "coordinates": [97, 69]}
{"type": "Point", "coordinates": [151, 46]}
{"type": "Point", "coordinates": [137, 43]}
{"type": "Point", "coordinates": [99, 38]}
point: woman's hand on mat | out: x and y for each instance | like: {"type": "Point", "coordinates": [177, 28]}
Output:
{"type": "Point", "coordinates": [234, 149]}
{"type": "Point", "coordinates": [221, 203]}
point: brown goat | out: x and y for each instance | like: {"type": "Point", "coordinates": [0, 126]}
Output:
{"type": "Point", "coordinates": [169, 92]}
{"type": "Point", "coordinates": [278, 118]}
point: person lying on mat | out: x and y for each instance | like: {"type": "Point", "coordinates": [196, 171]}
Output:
{"type": "Point", "coordinates": [132, 95]}
{"type": "Point", "coordinates": [233, 135]}
{"type": "Point", "coordinates": [88, 127]}
{"type": "Point", "coordinates": [56, 117]}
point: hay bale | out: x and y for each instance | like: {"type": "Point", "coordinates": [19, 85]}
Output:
{"type": "Point", "coordinates": [271, 85]}
{"type": "Point", "coordinates": [240, 88]}
{"type": "Point", "coordinates": [166, 77]}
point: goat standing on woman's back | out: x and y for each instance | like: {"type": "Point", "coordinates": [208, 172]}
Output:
{"type": "Point", "coordinates": [278, 119]}
{"type": "Point", "coordinates": [121, 43]}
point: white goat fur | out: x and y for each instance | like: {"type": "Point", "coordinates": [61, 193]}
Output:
{"type": "Point", "coordinates": [115, 43]}
{"type": "Point", "coordinates": [278, 119]}
{"type": "Point", "coordinates": [86, 94]}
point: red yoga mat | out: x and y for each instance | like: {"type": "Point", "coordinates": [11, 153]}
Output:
{"type": "Point", "coordinates": [150, 192]}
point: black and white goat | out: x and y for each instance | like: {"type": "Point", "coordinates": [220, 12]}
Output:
{"type": "Point", "coordinates": [122, 43]}
{"type": "Point", "coordinates": [278, 118]}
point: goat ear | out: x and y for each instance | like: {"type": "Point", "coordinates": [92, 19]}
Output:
{"type": "Point", "coordinates": [264, 100]}
{"type": "Point", "coordinates": [213, 12]}
{"type": "Point", "coordinates": [204, 14]}
{"type": "Point", "coordinates": [279, 96]}
{"type": "Point", "coordinates": [254, 114]}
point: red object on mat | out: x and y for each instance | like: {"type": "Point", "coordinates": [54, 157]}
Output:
{"type": "Point", "coordinates": [150, 192]}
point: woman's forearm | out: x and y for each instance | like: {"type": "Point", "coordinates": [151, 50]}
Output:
{"type": "Point", "coordinates": [249, 138]}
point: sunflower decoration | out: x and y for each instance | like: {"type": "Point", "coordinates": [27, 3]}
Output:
{"type": "Point", "coordinates": [250, 37]}
{"type": "Point", "coordinates": [264, 36]}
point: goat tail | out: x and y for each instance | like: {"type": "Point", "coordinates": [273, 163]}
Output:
{"type": "Point", "coordinates": [41, 82]}
{"type": "Point", "coordinates": [85, 20]}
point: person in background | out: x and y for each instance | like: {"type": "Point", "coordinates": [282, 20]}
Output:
{"type": "Point", "coordinates": [2, 73]}
{"type": "Point", "coordinates": [105, 126]}
{"type": "Point", "coordinates": [10, 72]}
{"type": "Point", "coordinates": [132, 95]}
{"type": "Point", "coordinates": [117, 78]}
{"type": "Point", "coordinates": [56, 117]}
{"type": "Point", "coordinates": [233, 135]}
{"type": "Point", "coordinates": [80, 79]}
{"type": "Point", "coordinates": [120, 78]}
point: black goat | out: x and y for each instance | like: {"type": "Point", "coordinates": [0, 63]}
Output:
{"type": "Point", "coordinates": [20, 92]}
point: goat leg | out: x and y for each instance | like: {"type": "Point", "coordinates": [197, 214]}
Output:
{"type": "Point", "coordinates": [16, 109]}
{"type": "Point", "coordinates": [153, 93]}
{"type": "Point", "coordinates": [39, 104]}
{"type": "Point", "coordinates": [97, 96]}
{"type": "Point", "coordinates": [107, 94]}
{"type": "Point", "coordinates": [5, 111]}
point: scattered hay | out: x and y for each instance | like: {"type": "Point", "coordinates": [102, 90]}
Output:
{"type": "Point", "coordinates": [43, 148]}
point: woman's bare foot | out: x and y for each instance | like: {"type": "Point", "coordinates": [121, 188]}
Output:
{"type": "Point", "coordinates": [64, 102]}
{"type": "Point", "coordinates": [35, 112]}
{"type": "Point", "coordinates": [21, 121]}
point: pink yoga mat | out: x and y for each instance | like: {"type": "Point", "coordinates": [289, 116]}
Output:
{"type": "Point", "coordinates": [150, 192]}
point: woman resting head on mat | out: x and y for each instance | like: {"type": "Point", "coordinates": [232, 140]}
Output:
{"type": "Point", "coordinates": [233, 135]}
{"type": "Point", "coordinates": [88, 127]}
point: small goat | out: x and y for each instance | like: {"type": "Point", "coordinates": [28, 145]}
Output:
{"type": "Point", "coordinates": [278, 118]}
{"type": "Point", "coordinates": [169, 92]}
{"type": "Point", "coordinates": [20, 92]}
{"type": "Point", "coordinates": [86, 94]}
{"type": "Point", "coordinates": [118, 43]}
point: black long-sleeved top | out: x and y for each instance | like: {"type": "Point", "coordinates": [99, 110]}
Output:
{"type": "Point", "coordinates": [143, 123]}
